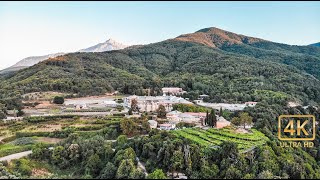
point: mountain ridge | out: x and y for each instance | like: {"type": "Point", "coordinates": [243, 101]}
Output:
{"type": "Point", "coordinates": [245, 71]}
{"type": "Point", "coordinates": [215, 37]}
{"type": "Point", "coordinates": [315, 44]}
{"type": "Point", "coordinates": [108, 45]}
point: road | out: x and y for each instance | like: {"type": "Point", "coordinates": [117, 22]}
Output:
{"type": "Point", "coordinates": [15, 156]}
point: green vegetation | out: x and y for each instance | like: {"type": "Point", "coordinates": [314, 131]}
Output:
{"type": "Point", "coordinates": [157, 174]}
{"type": "Point", "coordinates": [161, 111]}
{"type": "Point", "coordinates": [189, 108]}
{"type": "Point", "coordinates": [211, 119]}
{"type": "Point", "coordinates": [243, 120]}
{"type": "Point", "coordinates": [58, 100]}
{"type": "Point", "coordinates": [214, 137]}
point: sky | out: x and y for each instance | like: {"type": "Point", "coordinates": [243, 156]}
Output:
{"type": "Point", "coordinates": [40, 28]}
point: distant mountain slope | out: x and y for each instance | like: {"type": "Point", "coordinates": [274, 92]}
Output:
{"type": "Point", "coordinates": [214, 37]}
{"type": "Point", "coordinates": [315, 44]}
{"type": "Point", "coordinates": [226, 77]}
{"type": "Point", "coordinates": [29, 61]}
{"type": "Point", "coordinates": [306, 58]}
{"type": "Point", "coordinates": [109, 45]}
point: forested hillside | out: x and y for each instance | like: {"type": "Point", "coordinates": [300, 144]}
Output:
{"type": "Point", "coordinates": [194, 67]}
{"type": "Point", "coordinates": [235, 68]}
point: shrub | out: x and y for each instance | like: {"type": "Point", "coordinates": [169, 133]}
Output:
{"type": "Point", "coordinates": [58, 100]}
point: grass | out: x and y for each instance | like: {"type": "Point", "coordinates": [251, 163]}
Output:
{"type": "Point", "coordinates": [84, 126]}
{"type": "Point", "coordinates": [7, 149]}
{"type": "Point", "coordinates": [12, 147]}
{"type": "Point", "coordinates": [214, 137]}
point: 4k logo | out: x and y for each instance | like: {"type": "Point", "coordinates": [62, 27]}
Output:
{"type": "Point", "coordinates": [298, 127]}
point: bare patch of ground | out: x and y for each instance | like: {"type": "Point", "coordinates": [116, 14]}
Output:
{"type": "Point", "coordinates": [242, 131]}
{"type": "Point", "coordinates": [49, 140]}
{"type": "Point", "coordinates": [40, 172]}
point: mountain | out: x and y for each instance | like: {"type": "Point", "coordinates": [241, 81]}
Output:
{"type": "Point", "coordinates": [29, 61]}
{"type": "Point", "coordinates": [237, 68]}
{"type": "Point", "coordinates": [315, 44]}
{"type": "Point", "coordinates": [214, 37]}
{"type": "Point", "coordinates": [109, 45]}
{"type": "Point", "coordinates": [305, 58]}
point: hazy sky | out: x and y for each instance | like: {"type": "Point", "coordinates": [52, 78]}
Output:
{"type": "Point", "coordinates": [40, 28]}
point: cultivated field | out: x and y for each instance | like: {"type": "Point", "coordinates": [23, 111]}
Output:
{"type": "Point", "coordinates": [214, 137]}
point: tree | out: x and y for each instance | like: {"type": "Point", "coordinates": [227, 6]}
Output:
{"type": "Point", "coordinates": [137, 174]}
{"type": "Point", "coordinates": [220, 112]}
{"type": "Point", "coordinates": [265, 175]}
{"type": "Point", "coordinates": [206, 120]}
{"type": "Point", "coordinates": [243, 120]}
{"type": "Point", "coordinates": [161, 111]}
{"type": "Point", "coordinates": [157, 174]}
{"type": "Point", "coordinates": [108, 172]}
{"type": "Point", "coordinates": [211, 119]}
{"type": "Point", "coordinates": [58, 100]}
{"type": "Point", "coordinates": [57, 155]}
{"type": "Point", "coordinates": [20, 112]}
{"type": "Point", "coordinates": [93, 165]}
{"type": "Point", "coordinates": [3, 111]}
{"type": "Point", "coordinates": [121, 140]}
{"type": "Point", "coordinates": [177, 161]}
{"type": "Point", "coordinates": [128, 126]}
{"type": "Point", "coordinates": [207, 171]}
{"type": "Point", "coordinates": [134, 105]}
{"type": "Point", "coordinates": [126, 168]}
{"type": "Point", "coordinates": [39, 150]}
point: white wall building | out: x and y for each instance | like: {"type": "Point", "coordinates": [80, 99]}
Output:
{"type": "Point", "coordinates": [152, 103]}
{"type": "Point", "coordinates": [173, 91]}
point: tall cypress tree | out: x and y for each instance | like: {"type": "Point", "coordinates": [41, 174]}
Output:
{"type": "Point", "coordinates": [206, 119]}
{"type": "Point", "coordinates": [212, 119]}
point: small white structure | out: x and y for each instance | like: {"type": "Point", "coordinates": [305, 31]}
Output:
{"type": "Point", "coordinates": [81, 106]}
{"type": "Point", "coordinates": [110, 103]}
{"type": "Point", "coordinates": [167, 126]}
{"type": "Point", "coordinates": [202, 96]}
{"type": "Point", "coordinates": [173, 91]}
{"type": "Point", "coordinates": [153, 124]}
{"type": "Point", "coordinates": [250, 103]}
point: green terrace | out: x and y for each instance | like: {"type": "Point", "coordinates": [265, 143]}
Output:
{"type": "Point", "coordinates": [214, 137]}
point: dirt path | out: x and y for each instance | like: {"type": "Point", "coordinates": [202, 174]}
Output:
{"type": "Point", "coordinates": [15, 156]}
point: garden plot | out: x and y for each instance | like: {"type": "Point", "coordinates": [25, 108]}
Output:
{"type": "Point", "coordinates": [214, 137]}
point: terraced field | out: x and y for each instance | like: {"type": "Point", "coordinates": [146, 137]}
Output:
{"type": "Point", "coordinates": [214, 137]}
